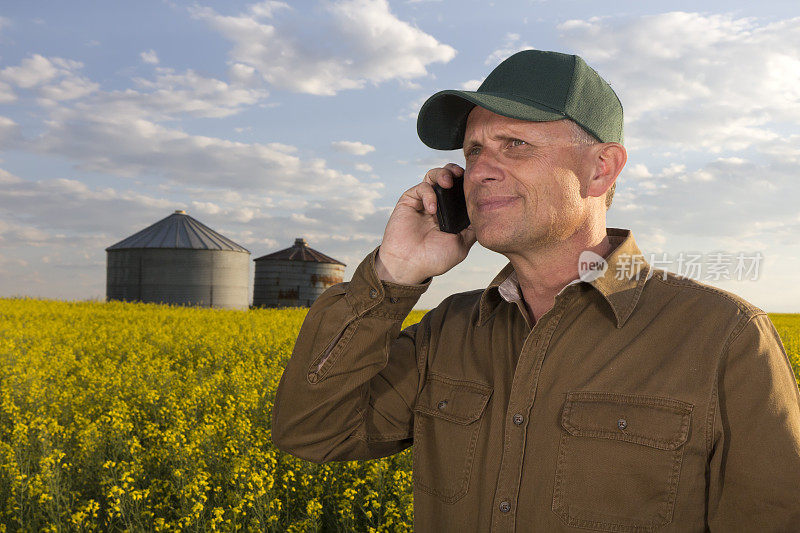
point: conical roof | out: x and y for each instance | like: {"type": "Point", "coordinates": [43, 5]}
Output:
{"type": "Point", "coordinates": [300, 252]}
{"type": "Point", "coordinates": [178, 230]}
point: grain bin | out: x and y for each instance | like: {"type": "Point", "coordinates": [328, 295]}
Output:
{"type": "Point", "coordinates": [179, 260]}
{"type": "Point", "coordinates": [294, 277]}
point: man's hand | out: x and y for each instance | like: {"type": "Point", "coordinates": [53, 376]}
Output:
{"type": "Point", "coordinates": [413, 248]}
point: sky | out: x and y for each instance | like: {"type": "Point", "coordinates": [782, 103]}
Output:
{"type": "Point", "coordinates": [271, 121]}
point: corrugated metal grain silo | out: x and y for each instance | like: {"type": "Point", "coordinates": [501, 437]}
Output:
{"type": "Point", "coordinates": [294, 277]}
{"type": "Point", "coordinates": [179, 260]}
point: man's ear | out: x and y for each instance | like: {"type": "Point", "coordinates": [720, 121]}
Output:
{"type": "Point", "coordinates": [608, 160]}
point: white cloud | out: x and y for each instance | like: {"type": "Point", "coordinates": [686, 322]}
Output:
{"type": "Point", "coordinates": [56, 79]}
{"type": "Point", "coordinates": [174, 93]}
{"type": "Point", "coordinates": [122, 134]}
{"type": "Point", "coordinates": [209, 208]}
{"type": "Point", "coordinates": [694, 81]}
{"type": "Point", "coordinates": [169, 94]}
{"type": "Point", "coordinates": [11, 260]}
{"type": "Point", "coordinates": [7, 178]}
{"type": "Point", "coordinates": [673, 170]}
{"type": "Point", "coordinates": [411, 110]}
{"type": "Point", "coordinates": [471, 85]}
{"type": "Point", "coordinates": [352, 147]}
{"type": "Point", "coordinates": [725, 197]}
{"type": "Point", "coordinates": [31, 236]}
{"type": "Point", "coordinates": [31, 71]}
{"type": "Point", "coordinates": [128, 147]}
{"type": "Point", "coordinates": [363, 167]}
{"type": "Point", "coordinates": [149, 56]}
{"type": "Point", "coordinates": [638, 171]}
{"type": "Point", "coordinates": [70, 88]}
{"type": "Point", "coordinates": [267, 9]}
{"type": "Point", "coordinates": [352, 43]}
{"type": "Point", "coordinates": [512, 44]}
{"type": "Point", "coordinates": [6, 93]}
{"type": "Point", "coordinates": [10, 133]}
{"type": "Point", "coordinates": [243, 74]}
{"type": "Point", "coordinates": [167, 97]}
{"type": "Point", "coordinates": [785, 151]}
{"type": "Point", "coordinates": [61, 205]}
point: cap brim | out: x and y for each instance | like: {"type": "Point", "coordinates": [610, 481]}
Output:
{"type": "Point", "coordinates": [442, 119]}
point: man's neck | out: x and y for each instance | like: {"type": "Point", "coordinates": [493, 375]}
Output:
{"type": "Point", "coordinates": [543, 273]}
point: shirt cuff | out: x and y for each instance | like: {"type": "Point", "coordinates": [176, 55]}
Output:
{"type": "Point", "coordinates": [366, 291]}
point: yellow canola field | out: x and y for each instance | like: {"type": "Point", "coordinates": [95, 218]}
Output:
{"type": "Point", "coordinates": [140, 417]}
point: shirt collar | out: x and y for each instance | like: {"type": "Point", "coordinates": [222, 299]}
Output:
{"type": "Point", "coordinates": [621, 283]}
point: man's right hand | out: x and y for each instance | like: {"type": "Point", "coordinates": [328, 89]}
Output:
{"type": "Point", "coordinates": [413, 248]}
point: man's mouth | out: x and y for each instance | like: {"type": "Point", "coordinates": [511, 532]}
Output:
{"type": "Point", "coordinates": [495, 202]}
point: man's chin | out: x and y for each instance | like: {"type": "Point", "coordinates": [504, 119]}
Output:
{"type": "Point", "coordinates": [507, 240]}
{"type": "Point", "coordinates": [496, 241]}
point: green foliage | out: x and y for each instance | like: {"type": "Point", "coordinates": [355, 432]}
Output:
{"type": "Point", "coordinates": [141, 417]}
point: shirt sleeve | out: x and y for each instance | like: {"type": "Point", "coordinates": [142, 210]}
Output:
{"type": "Point", "coordinates": [349, 388]}
{"type": "Point", "coordinates": [754, 469]}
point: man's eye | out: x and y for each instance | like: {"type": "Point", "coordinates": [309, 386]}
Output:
{"type": "Point", "coordinates": [475, 150]}
{"type": "Point", "coordinates": [517, 142]}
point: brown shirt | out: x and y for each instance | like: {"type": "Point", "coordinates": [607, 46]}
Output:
{"type": "Point", "coordinates": [641, 401]}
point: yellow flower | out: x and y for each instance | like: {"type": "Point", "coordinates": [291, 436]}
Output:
{"type": "Point", "coordinates": [164, 412]}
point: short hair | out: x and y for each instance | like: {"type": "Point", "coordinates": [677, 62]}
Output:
{"type": "Point", "coordinates": [581, 136]}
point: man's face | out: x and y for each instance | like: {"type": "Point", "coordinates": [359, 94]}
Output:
{"type": "Point", "coordinates": [523, 181]}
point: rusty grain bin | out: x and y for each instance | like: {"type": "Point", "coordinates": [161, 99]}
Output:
{"type": "Point", "coordinates": [294, 277]}
{"type": "Point", "coordinates": [179, 260]}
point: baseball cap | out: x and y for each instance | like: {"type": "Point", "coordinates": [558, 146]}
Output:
{"type": "Point", "coordinates": [535, 85]}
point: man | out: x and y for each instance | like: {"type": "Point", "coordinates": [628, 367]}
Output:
{"type": "Point", "coordinates": [561, 397]}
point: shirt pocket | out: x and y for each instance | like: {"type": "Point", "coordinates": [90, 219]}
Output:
{"type": "Point", "coordinates": [619, 460]}
{"type": "Point", "coordinates": [447, 419]}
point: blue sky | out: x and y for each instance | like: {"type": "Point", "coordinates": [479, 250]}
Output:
{"type": "Point", "coordinates": [269, 121]}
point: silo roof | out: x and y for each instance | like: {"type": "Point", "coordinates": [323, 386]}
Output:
{"type": "Point", "coordinates": [300, 252]}
{"type": "Point", "coordinates": [178, 230]}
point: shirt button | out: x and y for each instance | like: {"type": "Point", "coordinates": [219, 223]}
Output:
{"type": "Point", "coordinates": [313, 377]}
{"type": "Point", "coordinates": [505, 506]}
{"type": "Point", "coordinates": [622, 423]}
{"type": "Point", "coordinates": [393, 300]}
{"type": "Point", "coordinates": [518, 419]}
{"type": "Point", "coordinates": [442, 404]}
{"type": "Point", "coordinates": [373, 293]}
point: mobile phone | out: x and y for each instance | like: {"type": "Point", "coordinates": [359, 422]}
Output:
{"type": "Point", "coordinates": [451, 206]}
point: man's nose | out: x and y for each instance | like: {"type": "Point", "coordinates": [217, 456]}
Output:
{"type": "Point", "coordinates": [483, 167]}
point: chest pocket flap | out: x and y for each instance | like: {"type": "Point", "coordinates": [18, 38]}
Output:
{"type": "Point", "coordinates": [654, 421]}
{"type": "Point", "coordinates": [458, 401]}
{"type": "Point", "coordinates": [447, 422]}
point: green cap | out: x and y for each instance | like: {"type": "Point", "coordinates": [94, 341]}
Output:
{"type": "Point", "coordinates": [533, 85]}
